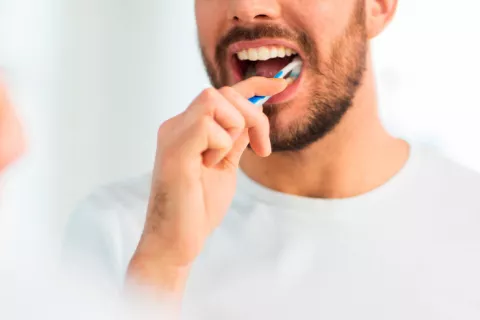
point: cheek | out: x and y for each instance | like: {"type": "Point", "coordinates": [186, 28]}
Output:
{"type": "Point", "coordinates": [208, 16]}
{"type": "Point", "coordinates": [324, 21]}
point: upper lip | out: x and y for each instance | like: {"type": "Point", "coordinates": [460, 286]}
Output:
{"type": "Point", "coordinates": [243, 45]}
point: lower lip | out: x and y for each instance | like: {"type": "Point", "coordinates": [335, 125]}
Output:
{"type": "Point", "coordinates": [287, 94]}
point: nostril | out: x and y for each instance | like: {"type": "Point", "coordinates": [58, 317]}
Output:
{"type": "Point", "coordinates": [250, 17]}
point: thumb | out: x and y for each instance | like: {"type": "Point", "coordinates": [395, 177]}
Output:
{"type": "Point", "coordinates": [260, 86]}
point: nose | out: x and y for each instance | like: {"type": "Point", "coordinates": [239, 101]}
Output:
{"type": "Point", "coordinates": [251, 11]}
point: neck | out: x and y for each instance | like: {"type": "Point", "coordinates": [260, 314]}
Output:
{"type": "Point", "coordinates": [358, 156]}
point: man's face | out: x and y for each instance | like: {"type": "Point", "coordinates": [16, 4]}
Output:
{"type": "Point", "coordinates": [11, 136]}
{"type": "Point", "coordinates": [242, 38]}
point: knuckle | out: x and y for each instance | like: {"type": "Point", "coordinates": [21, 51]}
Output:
{"type": "Point", "coordinates": [207, 100]}
{"type": "Point", "coordinates": [227, 164]}
{"type": "Point", "coordinates": [209, 94]}
{"type": "Point", "coordinates": [170, 128]}
{"type": "Point", "coordinates": [264, 121]}
{"type": "Point", "coordinates": [164, 129]}
{"type": "Point", "coordinates": [241, 122]}
{"type": "Point", "coordinates": [227, 91]}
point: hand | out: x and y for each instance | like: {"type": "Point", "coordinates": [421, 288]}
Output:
{"type": "Point", "coordinates": [194, 178]}
{"type": "Point", "coordinates": [12, 140]}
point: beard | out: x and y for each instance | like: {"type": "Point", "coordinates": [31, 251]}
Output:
{"type": "Point", "coordinates": [333, 81]}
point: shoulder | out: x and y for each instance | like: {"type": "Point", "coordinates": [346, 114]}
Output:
{"type": "Point", "coordinates": [123, 195]}
{"type": "Point", "coordinates": [121, 204]}
{"type": "Point", "coordinates": [107, 225]}
{"type": "Point", "coordinates": [437, 167]}
{"type": "Point", "coordinates": [443, 181]}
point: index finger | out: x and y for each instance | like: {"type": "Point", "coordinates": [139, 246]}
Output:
{"type": "Point", "coordinates": [260, 86]}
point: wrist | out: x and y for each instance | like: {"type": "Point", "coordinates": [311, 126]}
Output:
{"type": "Point", "coordinates": [158, 275]}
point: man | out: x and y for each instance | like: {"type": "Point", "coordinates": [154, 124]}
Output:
{"type": "Point", "coordinates": [308, 201]}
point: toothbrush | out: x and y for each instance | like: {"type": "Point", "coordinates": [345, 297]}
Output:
{"type": "Point", "coordinates": [293, 68]}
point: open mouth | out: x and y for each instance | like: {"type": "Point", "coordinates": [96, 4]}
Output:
{"type": "Point", "coordinates": [264, 61]}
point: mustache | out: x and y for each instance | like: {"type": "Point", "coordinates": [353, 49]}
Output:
{"type": "Point", "coordinates": [261, 31]}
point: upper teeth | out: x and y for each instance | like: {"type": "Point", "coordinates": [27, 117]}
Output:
{"type": "Point", "coordinates": [265, 53]}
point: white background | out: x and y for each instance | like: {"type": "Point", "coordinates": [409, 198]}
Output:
{"type": "Point", "coordinates": [93, 80]}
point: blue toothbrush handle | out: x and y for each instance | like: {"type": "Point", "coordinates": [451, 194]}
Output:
{"type": "Point", "coordinates": [256, 99]}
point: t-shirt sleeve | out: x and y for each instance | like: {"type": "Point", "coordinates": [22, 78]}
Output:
{"type": "Point", "coordinates": [91, 242]}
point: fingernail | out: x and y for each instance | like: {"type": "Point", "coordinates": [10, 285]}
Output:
{"type": "Point", "coordinates": [269, 150]}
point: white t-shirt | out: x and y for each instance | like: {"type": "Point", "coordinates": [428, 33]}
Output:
{"type": "Point", "coordinates": [407, 250]}
{"type": "Point", "coordinates": [33, 287]}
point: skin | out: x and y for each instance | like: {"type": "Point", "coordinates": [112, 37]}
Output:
{"type": "Point", "coordinates": [199, 150]}
{"type": "Point", "coordinates": [12, 141]}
